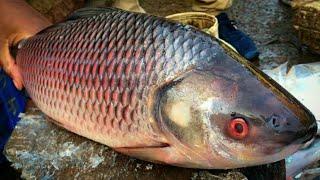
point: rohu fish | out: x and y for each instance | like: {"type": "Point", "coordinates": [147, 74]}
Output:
{"type": "Point", "coordinates": [160, 91]}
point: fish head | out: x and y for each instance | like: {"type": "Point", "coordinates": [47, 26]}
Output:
{"type": "Point", "coordinates": [229, 115]}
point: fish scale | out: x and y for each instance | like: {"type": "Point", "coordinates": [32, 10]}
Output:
{"type": "Point", "coordinates": [97, 74]}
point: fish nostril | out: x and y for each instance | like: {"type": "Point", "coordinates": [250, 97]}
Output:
{"type": "Point", "coordinates": [275, 121]}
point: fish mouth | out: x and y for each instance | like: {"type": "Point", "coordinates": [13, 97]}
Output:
{"type": "Point", "coordinates": [285, 146]}
{"type": "Point", "coordinates": [309, 134]}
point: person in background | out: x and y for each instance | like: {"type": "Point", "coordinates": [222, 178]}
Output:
{"type": "Point", "coordinates": [214, 7]}
{"type": "Point", "coordinates": [227, 29]}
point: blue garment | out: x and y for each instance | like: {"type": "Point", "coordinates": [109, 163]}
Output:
{"type": "Point", "coordinates": [239, 40]}
{"type": "Point", "coordinates": [12, 102]}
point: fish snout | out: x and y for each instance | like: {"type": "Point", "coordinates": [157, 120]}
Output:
{"type": "Point", "coordinates": [296, 131]}
{"type": "Point", "coordinates": [309, 128]}
{"type": "Point", "coordinates": [309, 132]}
{"type": "Point", "coordinates": [287, 134]}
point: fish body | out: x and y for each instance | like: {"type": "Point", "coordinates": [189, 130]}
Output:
{"type": "Point", "coordinates": [160, 91]}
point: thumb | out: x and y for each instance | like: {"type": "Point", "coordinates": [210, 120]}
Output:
{"type": "Point", "coordinates": [8, 64]}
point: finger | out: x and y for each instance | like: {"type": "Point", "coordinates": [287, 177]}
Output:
{"type": "Point", "coordinates": [17, 77]}
{"type": "Point", "coordinates": [8, 64]}
{"type": "Point", "coordinates": [5, 62]}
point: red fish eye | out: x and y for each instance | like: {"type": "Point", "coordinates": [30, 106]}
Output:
{"type": "Point", "coordinates": [238, 128]}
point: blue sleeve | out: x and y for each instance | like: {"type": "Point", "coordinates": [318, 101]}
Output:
{"type": "Point", "coordinates": [12, 103]}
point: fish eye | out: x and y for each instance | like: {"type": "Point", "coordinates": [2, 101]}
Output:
{"type": "Point", "coordinates": [238, 128]}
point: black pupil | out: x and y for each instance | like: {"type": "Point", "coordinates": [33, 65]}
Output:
{"type": "Point", "coordinates": [239, 128]}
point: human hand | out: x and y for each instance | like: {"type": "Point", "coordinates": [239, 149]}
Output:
{"type": "Point", "coordinates": [17, 21]}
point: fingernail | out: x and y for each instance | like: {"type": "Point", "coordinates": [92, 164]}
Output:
{"type": "Point", "coordinates": [17, 85]}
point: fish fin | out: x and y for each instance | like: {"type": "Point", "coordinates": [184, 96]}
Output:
{"type": "Point", "coordinates": [160, 155]}
{"type": "Point", "coordinates": [163, 154]}
{"type": "Point", "coordinates": [89, 12]}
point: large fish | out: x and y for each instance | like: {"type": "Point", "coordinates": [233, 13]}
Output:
{"type": "Point", "coordinates": [160, 91]}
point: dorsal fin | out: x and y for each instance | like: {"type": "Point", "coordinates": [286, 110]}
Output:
{"type": "Point", "coordinates": [89, 12]}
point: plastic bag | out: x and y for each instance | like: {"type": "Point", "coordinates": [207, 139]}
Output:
{"type": "Point", "coordinates": [302, 81]}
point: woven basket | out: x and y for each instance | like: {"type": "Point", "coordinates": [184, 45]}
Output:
{"type": "Point", "coordinates": [306, 22]}
{"type": "Point", "coordinates": [203, 21]}
{"type": "Point", "coordinates": [206, 22]}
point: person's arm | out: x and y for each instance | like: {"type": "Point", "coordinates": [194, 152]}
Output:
{"type": "Point", "coordinates": [17, 21]}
